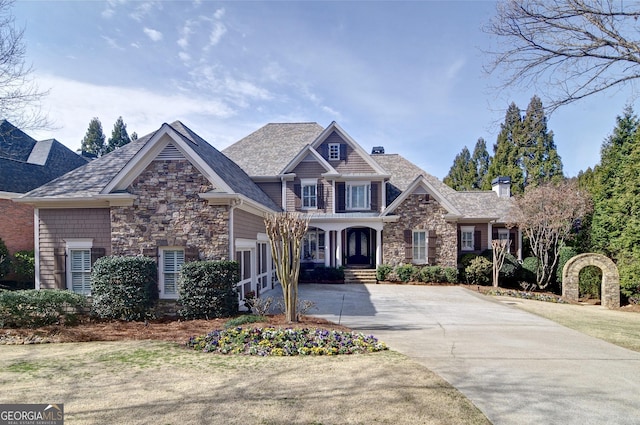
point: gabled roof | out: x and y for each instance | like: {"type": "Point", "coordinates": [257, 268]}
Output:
{"type": "Point", "coordinates": [26, 163]}
{"type": "Point", "coordinates": [113, 172]}
{"type": "Point", "coordinates": [421, 183]}
{"type": "Point", "coordinates": [267, 150]}
{"type": "Point", "coordinates": [305, 153]}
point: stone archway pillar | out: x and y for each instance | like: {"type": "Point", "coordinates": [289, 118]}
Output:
{"type": "Point", "coordinates": [610, 289]}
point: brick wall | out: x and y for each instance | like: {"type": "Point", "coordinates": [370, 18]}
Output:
{"type": "Point", "coordinates": [16, 225]}
{"type": "Point", "coordinates": [416, 214]}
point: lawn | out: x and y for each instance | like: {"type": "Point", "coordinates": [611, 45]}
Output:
{"type": "Point", "coordinates": [140, 382]}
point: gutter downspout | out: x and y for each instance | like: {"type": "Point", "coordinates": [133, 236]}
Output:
{"type": "Point", "coordinates": [36, 245]}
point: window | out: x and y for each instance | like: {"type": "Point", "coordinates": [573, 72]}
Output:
{"type": "Point", "coordinates": [313, 246]}
{"type": "Point", "coordinates": [419, 246]}
{"type": "Point", "coordinates": [467, 242]}
{"type": "Point", "coordinates": [358, 196]}
{"type": "Point", "coordinates": [503, 234]}
{"type": "Point", "coordinates": [80, 269]}
{"type": "Point", "coordinates": [309, 194]}
{"type": "Point", "coordinates": [334, 151]}
{"type": "Point", "coordinates": [172, 261]}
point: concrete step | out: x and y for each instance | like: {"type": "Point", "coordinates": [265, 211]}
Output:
{"type": "Point", "coordinates": [360, 276]}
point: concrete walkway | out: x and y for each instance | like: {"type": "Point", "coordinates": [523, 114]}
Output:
{"type": "Point", "coordinates": [516, 367]}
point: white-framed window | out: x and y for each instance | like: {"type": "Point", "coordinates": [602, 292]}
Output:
{"type": "Point", "coordinates": [309, 193]}
{"type": "Point", "coordinates": [420, 246]}
{"type": "Point", "coordinates": [503, 234]}
{"type": "Point", "coordinates": [467, 242]}
{"type": "Point", "coordinates": [358, 196]}
{"type": "Point", "coordinates": [171, 261]}
{"type": "Point", "coordinates": [334, 151]}
{"type": "Point", "coordinates": [313, 246]}
{"type": "Point", "coordinates": [79, 265]}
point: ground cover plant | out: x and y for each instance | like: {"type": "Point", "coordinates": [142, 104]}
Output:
{"type": "Point", "coordinates": [285, 342]}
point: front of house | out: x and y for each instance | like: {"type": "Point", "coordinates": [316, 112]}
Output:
{"type": "Point", "coordinates": [172, 196]}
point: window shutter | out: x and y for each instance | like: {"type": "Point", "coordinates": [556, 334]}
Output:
{"type": "Point", "coordinates": [340, 195]}
{"type": "Point", "coordinates": [408, 245]}
{"type": "Point", "coordinates": [374, 197]}
{"type": "Point", "coordinates": [96, 253]}
{"type": "Point", "coordinates": [431, 247]}
{"type": "Point", "coordinates": [459, 241]}
{"type": "Point", "coordinates": [513, 237]}
{"type": "Point", "coordinates": [494, 234]}
{"type": "Point", "coordinates": [477, 243]}
{"type": "Point", "coordinates": [191, 253]}
{"type": "Point", "coordinates": [324, 151]}
{"type": "Point", "coordinates": [297, 191]}
{"type": "Point", "coordinates": [59, 268]}
{"type": "Point", "coordinates": [320, 196]}
{"type": "Point", "coordinates": [343, 151]}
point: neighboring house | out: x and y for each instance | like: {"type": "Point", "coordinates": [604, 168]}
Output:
{"type": "Point", "coordinates": [26, 164]}
{"type": "Point", "coordinates": [172, 196]}
{"type": "Point", "coordinates": [369, 209]}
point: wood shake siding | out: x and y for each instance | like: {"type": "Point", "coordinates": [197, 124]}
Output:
{"type": "Point", "coordinates": [247, 225]}
{"type": "Point", "coordinates": [58, 225]}
{"type": "Point", "coordinates": [273, 191]}
{"type": "Point", "coordinates": [353, 162]}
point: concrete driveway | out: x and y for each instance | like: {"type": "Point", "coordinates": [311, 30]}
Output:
{"type": "Point", "coordinates": [516, 367]}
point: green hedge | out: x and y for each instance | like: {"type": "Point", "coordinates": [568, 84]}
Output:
{"type": "Point", "coordinates": [322, 274]}
{"type": "Point", "coordinates": [24, 265]}
{"type": "Point", "coordinates": [208, 289]}
{"type": "Point", "coordinates": [33, 308]}
{"type": "Point", "coordinates": [479, 271]}
{"type": "Point", "coordinates": [124, 288]}
{"type": "Point", "coordinates": [5, 260]}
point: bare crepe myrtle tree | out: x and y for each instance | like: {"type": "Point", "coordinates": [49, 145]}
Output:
{"type": "Point", "coordinates": [570, 48]}
{"type": "Point", "coordinates": [500, 249]}
{"type": "Point", "coordinates": [547, 214]}
{"type": "Point", "coordinates": [285, 231]}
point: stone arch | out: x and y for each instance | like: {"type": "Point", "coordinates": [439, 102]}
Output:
{"type": "Point", "coordinates": [610, 289]}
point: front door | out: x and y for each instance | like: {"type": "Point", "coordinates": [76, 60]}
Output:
{"type": "Point", "coordinates": [359, 246]}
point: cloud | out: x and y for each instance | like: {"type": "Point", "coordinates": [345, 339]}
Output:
{"type": "Point", "coordinates": [143, 9]}
{"type": "Point", "coordinates": [186, 32]}
{"type": "Point", "coordinates": [184, 56]}
{"type": "Point", "coordinates": [112, 43]}
{"type": "Point", "coordinates": [216, 33]}
{"type": "Point", "coordinates": [153, 34]}
{"type": "Point", "coordinates": [219, 13]}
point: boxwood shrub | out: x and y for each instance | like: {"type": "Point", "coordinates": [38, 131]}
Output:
{"type": "Point", "coordinates": [208, 289]}
{"type": "Point", "coordinates": [33, 308]}
{"type": "Point", "coordinates": [124, 288]}
{"type": "Point", "coordinates": [383, 271]}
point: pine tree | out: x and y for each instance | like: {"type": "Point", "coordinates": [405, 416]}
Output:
{"type": "Point", "coordinates": [119, 136]}
{"type": "Point", "coordinates": [462, 174]}
{"type": "Point", "coordinates": [539, 157]}
{"type": "Point", "coordinates": [93, 141]}
{"type": "Point", "coordinates": [481, 160]}
{"type": "Point", "coordinates": [506, 153]}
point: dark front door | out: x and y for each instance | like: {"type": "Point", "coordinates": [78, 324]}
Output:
{"type": "Point", "coordinates": [358, 246]}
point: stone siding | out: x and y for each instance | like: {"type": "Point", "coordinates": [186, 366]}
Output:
{"type": "Point", "coordinates": [416, 214]}
{"type": "Point", "coordinates": [169, 212]}
{"type": "Point", "coordinates": [610, 289]}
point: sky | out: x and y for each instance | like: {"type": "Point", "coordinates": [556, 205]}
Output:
{"type": "Point", "coordinates": [409, 76]}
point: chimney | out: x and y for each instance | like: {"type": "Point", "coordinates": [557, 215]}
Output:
{"type": "Point", "coordinates": [377, 150]}
{"type": "Point", "coordinates": [502, 186]}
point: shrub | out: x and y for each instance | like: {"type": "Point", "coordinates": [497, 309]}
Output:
{"type": "Point", "coordinates": [24, 264]}
{"type": "Point", "coordinates": [322, 274]}
{"type": "Point", "coordinates": [590, 282]}
{"type": "Point", "coordinates": [629, 269]}
{"type": "Point", "coordinates": [451, 274]}
{"type": "Point", "coordinates": [407, 272]}
{"type": "Point", "coordinates": [5, 260]}
{"type": "Point", "coordinates": [565, 254]}
{"type": "Point", "coordinates": [33, 308]}
{"type": "Point", "coordinates": [433, 274]}
{"type": "Point", "coordinates": [383, 270]}
{"type": "Point", "coordinates": [208, 289]}
{"type": "Point", "coordinates": [479, 271]}
{"type": "Point", "coordinates": [528, 271]}
{"type": "Point", "coordinates": [243, 320]}
{"type": "Point", "coordinates": [124, 287]}
{"type": "Point", "coordinates": [510, 270]}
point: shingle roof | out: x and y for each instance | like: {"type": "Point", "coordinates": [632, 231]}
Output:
{"type": "Point", "coordinates": [26, 164]}
{"type": "Point", "coordinates": [266, 151]}
{"type": "Point", "coordinates": [91, 179]}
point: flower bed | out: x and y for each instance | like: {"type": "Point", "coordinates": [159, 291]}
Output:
{"type": "Point", "coordinates": [285, 342]}
{"type": "Point", "coordinates": [527, 295]}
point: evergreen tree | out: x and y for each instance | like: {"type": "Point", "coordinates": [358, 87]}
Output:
{"type": "Point", "coordinates": [481, 160]}
{"type": "Point", "coordinates": [506, 152]}
{"type": "Point", "coordinates": [119, 136]}
{"type": "Point", "coordinates": [462, 174]}
{"type": "Point", "coordinates": [539, 157]}
{"type": "Point", "coordinates": [93, 141]}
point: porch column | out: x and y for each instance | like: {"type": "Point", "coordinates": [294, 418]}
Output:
{"type": "Point", "coordinates": [378, 247]}
{"type": "Point", "coordinates": [339, 248]}
{"type": "Point", "coordinates": [327, 248]}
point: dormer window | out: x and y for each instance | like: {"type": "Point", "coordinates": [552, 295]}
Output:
{"type": "Point", "coordinates": [334, 151]}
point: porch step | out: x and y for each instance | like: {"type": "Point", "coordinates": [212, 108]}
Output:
{"type": "Point", "coordinates": [360, 276]}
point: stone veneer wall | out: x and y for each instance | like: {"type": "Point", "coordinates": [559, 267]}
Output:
{"type": "Point", "coordinates": [169, 212]}
{"type": "Point", "coordinates": [415, 214]}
